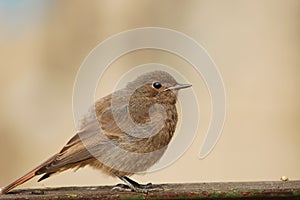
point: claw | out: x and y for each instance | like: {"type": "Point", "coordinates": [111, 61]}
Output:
{"type": "Point", "coordinates": [136, 187]}
{"type": "Point", "coordinates": [121, 188]}
{"type": "Point", "coordinates": [140, 188]}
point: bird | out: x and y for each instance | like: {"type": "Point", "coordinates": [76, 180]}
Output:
{"type": "Point", "coordinates": [123, 133]}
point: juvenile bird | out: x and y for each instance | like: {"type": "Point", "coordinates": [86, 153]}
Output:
{"type": "Point", "coordinates": [124, 133]}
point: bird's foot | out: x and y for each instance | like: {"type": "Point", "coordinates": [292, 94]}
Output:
{"type": "Point", "coordinates": [121, 188]}
{"type": "Point", "coordinates": [138, 188]}
{"type": "Point", "coordinates": [148, 188]}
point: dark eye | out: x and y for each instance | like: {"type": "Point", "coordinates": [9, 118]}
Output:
{"type": "Point", "coordinates": [156, 85]}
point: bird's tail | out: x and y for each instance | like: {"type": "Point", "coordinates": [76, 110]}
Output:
{"type": "Point", "coordinates": [26, 177]}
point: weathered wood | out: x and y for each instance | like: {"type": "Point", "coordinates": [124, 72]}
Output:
{"type": "Point", "coordinates": [232, 190]}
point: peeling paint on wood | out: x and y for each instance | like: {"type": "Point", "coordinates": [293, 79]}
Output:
{"type": "Point", "coordinates": [232, 190]}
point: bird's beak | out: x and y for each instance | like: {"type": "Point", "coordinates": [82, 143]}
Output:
{"type": "Point", "coordinates": [179, 87]}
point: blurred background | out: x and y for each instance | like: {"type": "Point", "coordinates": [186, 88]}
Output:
{"type": "Point", "coordinates": [255, 44]}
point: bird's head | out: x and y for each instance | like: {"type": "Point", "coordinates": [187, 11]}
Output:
{"type": "Point", "coordinates": [156, 87]}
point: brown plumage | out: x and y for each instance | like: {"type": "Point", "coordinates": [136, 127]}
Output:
{"type": "Point", "coordinates": [125, 132]}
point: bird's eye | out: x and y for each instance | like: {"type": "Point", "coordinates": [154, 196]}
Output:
{"type": "Point", "coordinates": [156, 85]}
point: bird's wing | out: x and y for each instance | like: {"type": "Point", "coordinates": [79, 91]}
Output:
{"type": "Point", "coordinates": [80, 149]}
{"type": "Point", "coordinates": [74, 154]}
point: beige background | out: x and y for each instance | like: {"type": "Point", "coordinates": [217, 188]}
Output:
{"type": "Point", "coordinates": [255, 44]}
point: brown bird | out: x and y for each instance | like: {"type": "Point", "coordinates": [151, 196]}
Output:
{"type": "Point", "coordinates": [124, 133]}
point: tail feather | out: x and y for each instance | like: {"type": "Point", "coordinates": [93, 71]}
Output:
{"type": "Point", "coordinates": [47, 175]}
{"type": "Point", "coordinates": [27, 176]}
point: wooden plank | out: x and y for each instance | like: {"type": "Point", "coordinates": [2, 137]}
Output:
{"type": "Point", "coordinates": [231, 190]}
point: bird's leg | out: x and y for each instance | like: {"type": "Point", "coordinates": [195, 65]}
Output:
{"type": "Point", "coordinates": [134, 186]}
